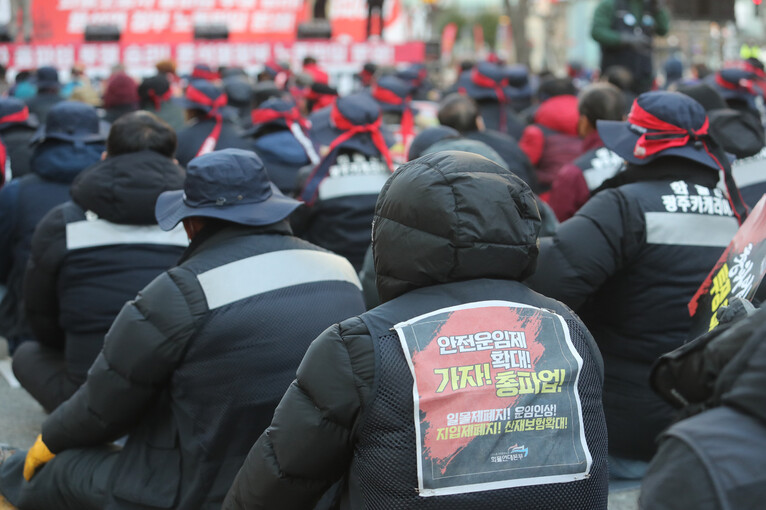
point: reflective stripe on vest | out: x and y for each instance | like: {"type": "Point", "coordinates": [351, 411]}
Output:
{"type": "Point", "coordinates": [352, 185]}
{"type": "Point", "coordinates": [272, 271]}
{"type": "Point", "coordinates": [749, 172]}
{"type": "Point", "coordinates": [685, 229]}
{"type": "Point", "coordinates": [93, 233]}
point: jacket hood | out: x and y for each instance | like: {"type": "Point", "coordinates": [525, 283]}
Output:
{"type": "Point", "coordinates": [560, 114]}
{"type": "Point", "coordinates": [453, 216]}
{"type": "Point", "coordinates": [124, 189]}
{"type": "Point", "coordinates": [61, 161]}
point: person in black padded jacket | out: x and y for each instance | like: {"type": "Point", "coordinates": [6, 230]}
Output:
{"type": "Point", "coordinates": [451, 229]}
{"type": "Point", "coordinates": [94, 253]}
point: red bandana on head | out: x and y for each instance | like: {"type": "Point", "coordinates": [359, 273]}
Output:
{"type": "Point", "coordinates": [159, 99]}
{"type": "Point", "coordinates": [196, 96]}
{"type": "Point", "coordinates": [660, 135]}
{"type": "Point", "coordinates": [291, 116]}
{"type": "Point", "coordinates": [19, 116]}
{"type": "Point", "coordinates": [407, 128]}
{"type": "Point", "coordinates": [744, 85]}
{"type": "Point", "coordinates": [349, 130]}
{"type": "Point", "coordinates": [488, 83]}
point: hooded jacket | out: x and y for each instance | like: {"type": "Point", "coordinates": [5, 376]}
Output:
{"type": "Point", "coordinates": [629, 261]}
{"type": "Point", "coordinates": [23, 203]}
{"type": "Point", "coordinates": [91, 255]}
{"type": "Point", "coordinates": [552, 141]}
{"type": "Point", "coordinates": [194, 366]}
{"type": "Point", "coordinates": [470, 235]}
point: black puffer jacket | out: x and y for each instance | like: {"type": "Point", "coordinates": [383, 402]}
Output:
{"type": "Point", "coordinates": [92, 255]}
{"type": "Point", "coordinates": [23, 203]}
{"type": "Point", "coordinates": [469, 235]}
{"type": "Point", "coordinates": [629, 262]}
{"type": "Point", "coordinates": [193, 368]}
{"type": "Point", "coordinates": [714, 460]}
{"type": "Point", "coordinates": [16, 139]}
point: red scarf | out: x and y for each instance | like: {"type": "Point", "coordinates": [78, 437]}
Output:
{"type": "Point", "coordinates": [350, 130]}
{"type": "Point", "coordinates": [407, 128]}
{"type": "Point", "coordinates": [486, 82]}
{"type": "Point", "coordinates": [158, 100]}
{"type": "Point", "coordinates": [195, 96]}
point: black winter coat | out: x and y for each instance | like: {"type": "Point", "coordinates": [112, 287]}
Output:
{"type": "Point", "coordinates": [714, 460]}
{"type": "Point", "coordinates": [509, 150]}
{"type": "Point", "coordinates": [23, 203]}
{"type": "Point", "coordinates": [93, 254]}
{"type": "Point", "coordinates": [193, 368]}
{"type": "Point", "coordinates": [629, 262]}
{"type": "Point", "coordinates": [16, 139]}
{"type": "Point", "coordinates": [191, 138]}
{"type": "Point", "coordinates": [349, 413]}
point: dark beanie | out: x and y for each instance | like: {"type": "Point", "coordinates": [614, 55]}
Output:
{"type": "Point", "coordinates": [705, 95]}
{"type": "Point", "coordinates": [427, 138]}
{"type": "Point", "coordinates": [120, 90]}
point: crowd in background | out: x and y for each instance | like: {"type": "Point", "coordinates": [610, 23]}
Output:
{"type": "Point", "coordinates": [636, 195]}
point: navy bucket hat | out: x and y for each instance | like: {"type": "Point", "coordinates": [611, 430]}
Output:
{"type": "Point", "coordinates": [357, 110]}
{"type": "Point", "coordinates": [14, 112]}
{"type": "Point", "coordinates": [391, 94]}
{"type": "Point", "coordinates": [737, 86]}
{"type": "Point", "coordinates": [71, 121]}
{"type": "Point", "coordinates": [230, 185]}
{"type": "Point", "coordinates": [661, 124]}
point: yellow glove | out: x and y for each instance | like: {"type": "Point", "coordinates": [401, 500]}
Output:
{"type": "Point", "coordinates": [38, 455]}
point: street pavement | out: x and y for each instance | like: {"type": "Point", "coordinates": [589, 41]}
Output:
{"type": "Point", "coordinates": [21, 418]}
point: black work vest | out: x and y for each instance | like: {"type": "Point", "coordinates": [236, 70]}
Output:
{"type": "Point", "coordinates": [598, 165]}
{"type": "Point", "coordinates": [383, 473]}
{"type": "Point", "coordinates": [730, 445]}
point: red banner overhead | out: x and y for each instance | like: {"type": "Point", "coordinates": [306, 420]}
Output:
{"type": "Point", "coordinates": [173, 21]}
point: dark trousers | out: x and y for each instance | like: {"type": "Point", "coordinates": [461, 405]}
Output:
{"type": "Point", "coordinates": [73, 480]}
{"type": "Point", "coordinates": [42, 371]}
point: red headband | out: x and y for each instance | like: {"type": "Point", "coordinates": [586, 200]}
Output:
{"type": "Point", "coordinates": [264, 115]}
{"type": "Point", "coordinates": [204, 74]}
{"type": "Point", "coordinates": [196, 96]}
{"type": "Point", "coordinates": [19, 116]}
{"type": "Point", "coordinates": [349, 130]}
{"type": "Point", "coordinates": [158, 100]}
{"type": "Point", "coordinates": [488, 83]}
{"type": "Point", "coordinates": [387, 96]}
{"type": "Point", "coordinates": [660, 135]}
{"type": "Point", "coordinates": [744, 85]}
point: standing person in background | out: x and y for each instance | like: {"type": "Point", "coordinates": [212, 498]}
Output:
{"type": "Point", "coordinates": [26, 20]}
{"type": "Point", "coordinates": [625, 29]}
{"type": "Point", "coordinates": [70, 142]}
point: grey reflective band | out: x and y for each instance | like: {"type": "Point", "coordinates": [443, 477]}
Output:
{"type": "Point", "coordinates": [272, 271]}
{"type": "Point", "coordinates": [688, 229]}
{"type": "Point", "coordinates": [352, 185]}
{"type": "Point", "coordinates": [749, 172]}
{"type": "Point", "coordinates": [92, 233]}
